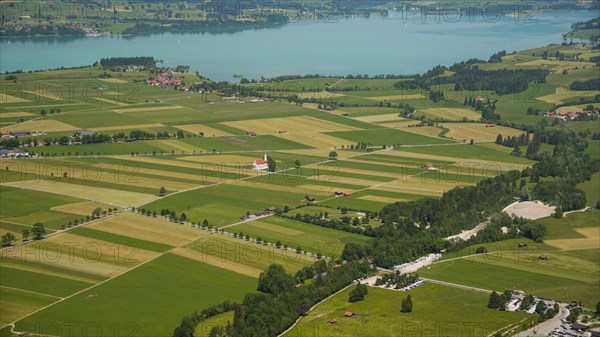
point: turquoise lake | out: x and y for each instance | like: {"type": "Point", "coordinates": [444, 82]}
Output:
{"type": "Point", "coordinates": [374, 45]}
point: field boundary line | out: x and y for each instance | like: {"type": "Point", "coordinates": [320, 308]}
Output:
{"type": "Point", "coordinates": [31, 292]}
{"type": "Point", "coordinates": [456, 285]}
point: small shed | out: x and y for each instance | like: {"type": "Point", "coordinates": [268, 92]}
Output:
{"type": "Point", "coordinates": [348, 314]}
{"type": "Point", "coordinates": [332, 321]}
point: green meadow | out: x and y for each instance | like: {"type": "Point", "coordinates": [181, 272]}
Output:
{"type": "Point", "coordinates": [129, 303]}
{"type": "Point", "coordinates": [437, 310]}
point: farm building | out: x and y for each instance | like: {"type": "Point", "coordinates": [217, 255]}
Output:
{"type": "Point", "coordinates": [490, 125]}
{"type": "Point", "coordinates": [260, 164]}
{"type": "Point", "coordinates": [348, 314]}
{"type": "Point", "coordinates": [429, 166]}
{"type": "Point", "coordinates": [332, 321]}
{"type": "Point", "coordinates": [251, 133]}
{"type": "Point", "coordinates": [309, 198]}
{"type": "Point", "coordinates": [282, 131]}
{"type": "Point", "coordinates": [21, 133]}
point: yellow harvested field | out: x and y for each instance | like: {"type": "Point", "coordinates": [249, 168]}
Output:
{"type": "Point", "coordinates": [100, 194]}
{"type": "Point", "coordinates": [106, 100]}
{"type": "Point", "coordinates": [113, 80]}
{"type": "Point", "coordinates": [454, 114]}
{"type": "Point", "coordinates": [46, 125]}
{"type": "Point", "coordinates": [176, 163]}
{"type": "Point", "coordinates": [15, 114]}
{"type": "Point", "coordinates": [175, 145]}
{"type": "Point", "coordinates": [478, 131]}
{"type": "Point", "coordinates": [290, 124]}
{"type": "Point", "coordinates": [400, 124]}
{"type": "Point", "coordinates": [45, 94]}
{"type": "Point", "coordinates": [4, 98]}
{"type": "Point", "coordinates": [218, 262]}
{"type": "Point", "coordinates": [396, 97]}
{"type": "Point", "coordinates": [430, 131]}
{"type": "Point", "coordinates": [149, 229]}
{"type": "Point", "coordinates": [35, 269]}
{"type": "Point", "coordinates": [380, 199]}
{"type": "Point", "coordinates": [68, 255]}
{"type": "Point", "coordinates": [319, 94]}
{"type": "Point", "coordinates": [99, 250]}
{"type": "Point", "coordinates": [331, 177]}
{"type": "Point", "coordinates": [226, 159]}
{"type": "Point", "coordinates": [80, 208]}
{"type": "Point", "coordinates": [127, 175]}
{"type": "Point", "coordinates": [315, 139]}
{"type": "Point", "coordinates": [11, 311]}
{"type": "Point", "coordinates": [155, 108]}
{"type": "Point", "coordinates": [398, 175]}
{"type": "Point", "coordinates": [325, 152]}
{"type": "Point", "coordinates": [563, 94]}
{"type": "Point", "coordinates": [382, 118]}
{"type": "Point", "coordinates": [128, 127]}
{"type": "Point", "coordinates": [421, 185]}
{"type": "Point", "coordinates": [470, 162]}
{"type": "Point", "coordinates": [571, 108]}
{"type": "Point", "coordinates": [208, 131]}
{"type": "Point", "coordinates": [306, 188]}
{"type": "Point", "coordinates": [591, 240]}
{"type": "Point", "coordinates": [325, 190]}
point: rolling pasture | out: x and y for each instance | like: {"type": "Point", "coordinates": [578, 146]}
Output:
{"type": "Point", "coordinates": [569, 272]}
{"type": "Point", "coordinates": [437, 309]}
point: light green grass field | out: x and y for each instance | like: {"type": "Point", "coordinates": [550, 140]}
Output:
{"type": "Point", "coordinates": [437, 310]}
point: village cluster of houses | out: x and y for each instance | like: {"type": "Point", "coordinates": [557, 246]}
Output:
{"type": "Point", "coordinates": [20, 133]}
{"type": "Point", "coordinates": [268, 211]}
{"type": "Point", "coordinates": [167, 79]}
{"type": "Point", "coordinates": [571, 115]}
{"type": "Point", "coordinates": [85, 28]}
{"type": "Point", "coordinates": [4, 153]}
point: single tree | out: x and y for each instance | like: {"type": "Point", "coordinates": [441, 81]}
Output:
{"type": "Point", "coordinates": [38, 231]}
{"type": "Point", "coordinates": [494, 301]}
{"type": "Point", "coordinates": [407, 304]}
{"type": "Point", "coordinates": [25, 233]}
{"type": "Point", "coordinates": [97, 212]}
{"type": "Point", "coordinates": [333, 155]}
{"type": "Point", "coordinates": [8, 238]}
{"type": "Point", "coordinates": [162, 191]}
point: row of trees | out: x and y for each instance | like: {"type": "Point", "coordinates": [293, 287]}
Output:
{"type": "Point", "coordinates": [37, 231]}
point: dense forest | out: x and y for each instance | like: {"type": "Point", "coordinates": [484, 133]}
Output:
{"type": "Point", "coordinates": [467, 76]}
{"type": "Point", "coordinates": [593, 84]}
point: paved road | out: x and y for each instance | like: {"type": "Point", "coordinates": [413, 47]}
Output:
{"type": "Point", "coordinates": [547, 326]}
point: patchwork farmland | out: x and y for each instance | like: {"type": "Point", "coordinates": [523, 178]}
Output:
{"type": "Point", "coordinates": [144, 210]}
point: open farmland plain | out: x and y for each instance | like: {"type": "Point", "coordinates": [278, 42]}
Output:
{"type": "Point", "coordinates": [153, 210]}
